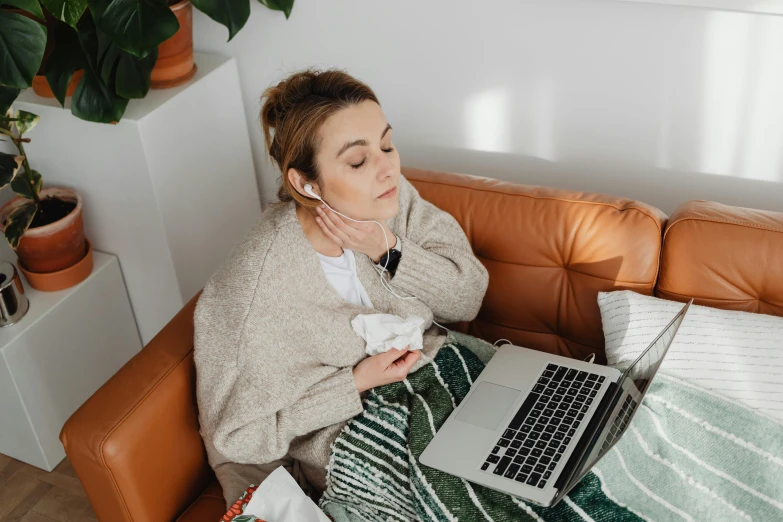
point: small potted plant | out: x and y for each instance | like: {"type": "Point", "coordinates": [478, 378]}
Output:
{"type": "Point", "coordinates": [44, 226]}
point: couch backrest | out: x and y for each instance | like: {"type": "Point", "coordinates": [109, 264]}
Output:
{"type": "Point", "coordinates": [548, 252]}
{"type": "Point", "coordinates": [724, 257]}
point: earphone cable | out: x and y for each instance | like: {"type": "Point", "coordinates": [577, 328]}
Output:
{"type": "Point", "coordinates": [380, 271]}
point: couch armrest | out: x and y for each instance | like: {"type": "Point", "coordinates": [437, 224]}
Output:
{"type": "Point", "coordinates": [135, 443]}
{"type": "Point", "coordinates": [724, 257]}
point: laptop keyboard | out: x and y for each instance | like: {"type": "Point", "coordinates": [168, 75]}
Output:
{"type": "Point", "coordinates": [538, 435]}
{"type": "Point", "coordinates": [620, 422]}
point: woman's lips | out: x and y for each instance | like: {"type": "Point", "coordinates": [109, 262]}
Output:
{"type": "Point", "coordinates": [388, 193]}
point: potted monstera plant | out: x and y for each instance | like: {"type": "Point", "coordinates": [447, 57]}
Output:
{"type": "Point", "coordinates": [111, 46]}
{"type": "Point", "coordinates": [43, 225]}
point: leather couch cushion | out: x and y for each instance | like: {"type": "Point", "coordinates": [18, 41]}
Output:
{"type": "Point", "coordinates": [724, 257]}
{"type": "Point", "coordinates": [548, 252]}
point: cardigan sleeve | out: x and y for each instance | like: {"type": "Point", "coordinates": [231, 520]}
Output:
{"type": "Point", "coordinates": [263, 415]}
{"type": "Point", "coordinates": [254, 397]}
{"type": "Point", "coordinates": [437, 265]}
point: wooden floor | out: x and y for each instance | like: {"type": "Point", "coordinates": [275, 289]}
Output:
{"type": "Point", "coordinates": [29, 494]}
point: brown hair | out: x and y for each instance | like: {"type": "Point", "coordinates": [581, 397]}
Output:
{"type": "Point", "coordinates": [296, 108]}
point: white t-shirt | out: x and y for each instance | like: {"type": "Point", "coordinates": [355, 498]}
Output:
{"type": "Point", "coordinates": [341, 273]}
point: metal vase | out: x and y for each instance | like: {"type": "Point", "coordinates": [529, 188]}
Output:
{"type": "Point", "coordinates": [13, 303]}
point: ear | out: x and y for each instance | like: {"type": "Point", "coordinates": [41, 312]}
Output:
{"type": "Point", "coordinates": [298, 182]}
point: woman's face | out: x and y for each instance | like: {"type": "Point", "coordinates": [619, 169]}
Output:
{"type": "Point", "coordinates": [359, 164]}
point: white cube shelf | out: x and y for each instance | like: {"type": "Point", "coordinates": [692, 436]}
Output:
{"type": "Point", "coordinates": [67, 345]}
{"type": "Point", "coordinates": [169, 189]}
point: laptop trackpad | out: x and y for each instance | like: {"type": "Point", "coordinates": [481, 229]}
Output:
{"type": "Point", "coordinates": [487, 405]}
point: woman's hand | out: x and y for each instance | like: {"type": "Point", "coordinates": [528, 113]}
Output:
{"type": "Point", "coordinates": [384, 368]}
{"type": "Point", "coordinates": [366, 238]}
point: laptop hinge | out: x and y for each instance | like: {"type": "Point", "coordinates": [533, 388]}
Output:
{"type": "Point", "coordinates": [593, 429]}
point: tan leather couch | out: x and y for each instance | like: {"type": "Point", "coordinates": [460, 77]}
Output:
{"type": "Point", "coordinates": [135, 443]}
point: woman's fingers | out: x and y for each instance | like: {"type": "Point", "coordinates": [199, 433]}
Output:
{"type": "Point", "coordinates": [330, 221]}
{"type": "Point", "coordinates": [339, 224]}
{"type": "Point", "coordinates": [411, 358]}
{"type": "Point", "coordinates": [393, 356]}
{"type": "Point", "coordinates": [329, 234]}
{"type": "Point", "coordinates": [403, 363]}
{"type": "Point", "coordinates": [353, 229]}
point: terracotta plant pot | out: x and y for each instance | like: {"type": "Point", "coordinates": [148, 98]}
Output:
{"type": "Point", "coordinates": [62, 279]}
{"type": "Point", "coordinates": [175, 56]}
{"type": "Point", "coordinates": [41, 86]}
{"type": "Point", "coordinates": [54, 247]}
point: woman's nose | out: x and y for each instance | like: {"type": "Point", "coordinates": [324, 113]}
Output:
{"type": "Point", "coordinates": [385, 166]}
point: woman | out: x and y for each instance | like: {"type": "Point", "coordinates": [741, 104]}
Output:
{"type": "Point", "coordinates": [280, 369]}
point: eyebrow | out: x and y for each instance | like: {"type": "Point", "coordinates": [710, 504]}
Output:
{"type": "Point", "coordinates": [362, 143]}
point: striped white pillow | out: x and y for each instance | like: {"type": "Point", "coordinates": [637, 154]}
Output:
{"type": "Point", "coordinates": [736, 354]}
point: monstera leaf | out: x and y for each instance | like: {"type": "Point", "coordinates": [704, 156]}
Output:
{"type": "Point", "coordinates": [66, 58]}
{"type": "Point", "coordinates": [9, 166]}
{"type": "Point", "coordinates": [111, 75]}
{"type": "Point", "coordinates": [94, 100]}
{"type": "Point", "coordinates": [231, 13]}
{"type": "Point", "coordinates": [18, 223]}
{"type": "Point", "coordinates": [128, 74]}
{"type": "Point", "coordinates": [136, 26]}
{"type": "Point", "coordinates": [31, 6]}
{"type": "Point", "coordinates": [279, 5]}
{"type": "Point", "coordinates": [69, 11]}
{"type": "Point", "coordinates": [22, 43]}
{"type": "Point", "coordinates": [132, 79]}
{"type": "Point", "coordinates": [7, 97]}
{"type": "Point", "coordinates": [234, 13]}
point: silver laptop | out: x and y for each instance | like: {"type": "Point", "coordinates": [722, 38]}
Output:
{"type": "Point", "coordinates": [533, 423]}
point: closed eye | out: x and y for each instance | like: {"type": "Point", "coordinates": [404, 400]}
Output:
{"type": "Point", "coordinates": [358, 165]}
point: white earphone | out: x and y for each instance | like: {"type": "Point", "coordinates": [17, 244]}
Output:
{"type": "Point", "coordinates": [308, 188]}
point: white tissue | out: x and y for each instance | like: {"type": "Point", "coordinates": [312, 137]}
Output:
{"type": "Point", "coordinates": [382, 332]}
{"type": "Point", "coordinates": [280, 499]}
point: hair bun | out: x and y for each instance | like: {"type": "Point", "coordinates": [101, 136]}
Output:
{"type": "Point", "coordinates": [286, 95]}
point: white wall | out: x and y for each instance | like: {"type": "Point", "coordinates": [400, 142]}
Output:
{"type": "Point", "coordinates": [653, 102]}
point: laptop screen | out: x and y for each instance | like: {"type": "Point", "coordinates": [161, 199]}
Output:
{"type": "Point", "coordinates": [638, 374]}
{"type": "Point", "coordinates": [642, 370]}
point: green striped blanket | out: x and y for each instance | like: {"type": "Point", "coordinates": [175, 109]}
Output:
{"type": "Point", "coordinates": [687, 455]}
